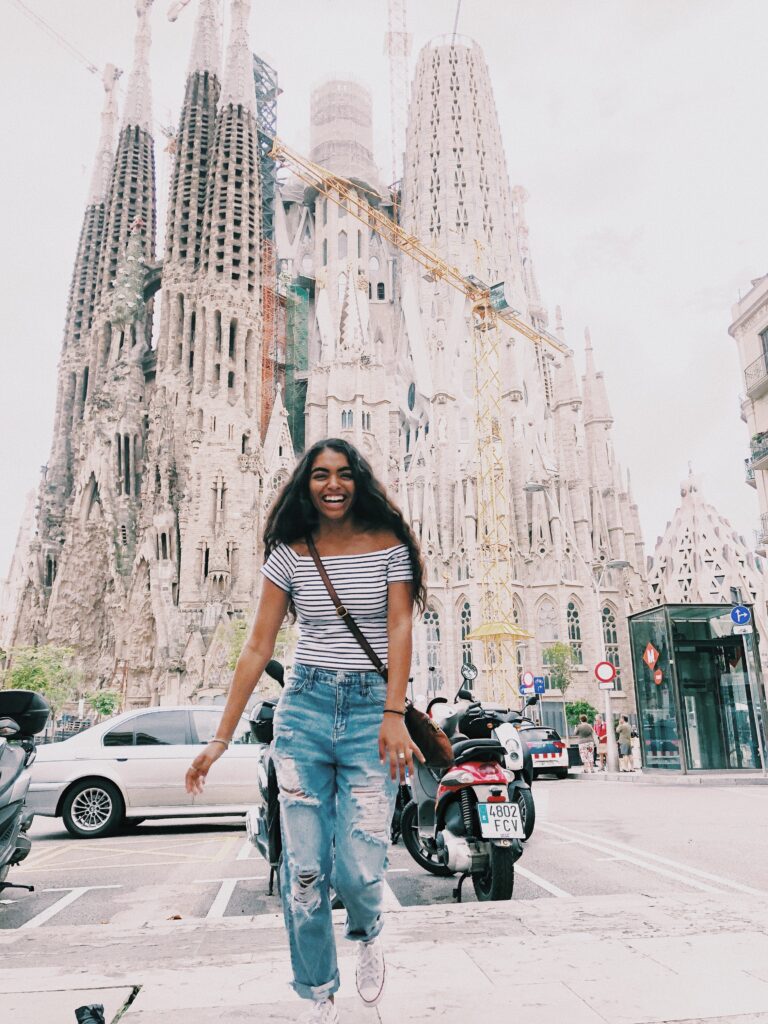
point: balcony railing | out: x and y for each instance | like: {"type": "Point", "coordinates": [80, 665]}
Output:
{"type": "Point", "coordinates": [759, 448]}
{"type": "Point", "coordinates": [756, 376]}
{"type": "Point", "coordinates": [749, 473]}
{"type": "Point", "coordinates": [762, 533]}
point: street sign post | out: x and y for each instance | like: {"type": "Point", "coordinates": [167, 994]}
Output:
{"type": "Point", "coordinates": [527, 683]}
{"type": "Point", "coordinates": [744, 630]}
{"type": "Point", "coordinates": [650, 656]}
{"type": "Point", "coordinates": [539, 684]}
{"type": "Point", "coordinates": [740, 615]}
{"type": "Point", "coordinates": [605, 672]}
{"type": "Point", "coordinates": [658, 677]}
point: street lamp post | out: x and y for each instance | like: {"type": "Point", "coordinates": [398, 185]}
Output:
{"type": "Point", "coordinates": [612, 751]}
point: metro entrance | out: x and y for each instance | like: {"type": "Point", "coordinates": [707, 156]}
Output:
{"type": "Point", "coordinates": [700, 699]}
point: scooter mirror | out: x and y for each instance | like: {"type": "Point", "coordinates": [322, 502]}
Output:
{"type": "Point", "coordinates": [464, 694]}
{"type": "Point", "coordinates": [532, 700]}
{"type": "Point", "coordinates": [8, 728]}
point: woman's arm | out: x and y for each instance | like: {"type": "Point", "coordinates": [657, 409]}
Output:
{"type": "Point", "coordinates": [256, 652]}
{"type": "Point", "coordinates": [394, 738]}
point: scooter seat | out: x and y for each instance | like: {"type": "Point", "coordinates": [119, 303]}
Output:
{"type": "Point", "coordinates": [478, 750]}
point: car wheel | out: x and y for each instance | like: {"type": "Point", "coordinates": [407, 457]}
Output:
{"type": "Point", "coordinates": [93, 808]}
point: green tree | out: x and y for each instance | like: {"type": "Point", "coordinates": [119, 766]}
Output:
{"type": "Point", "coordinates": [576, 708]}
{"type": "Point", "coordinates": [559, 661]}
{"type": "Point", "coordinates": [103, 702]}
{"type": "Point", "coordinates": [48, 669]}
{"type": "Point", "coordinates": [238, 631]}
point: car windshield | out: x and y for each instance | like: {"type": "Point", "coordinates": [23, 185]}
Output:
{"type": "Point", "coordinates": [539, 735]}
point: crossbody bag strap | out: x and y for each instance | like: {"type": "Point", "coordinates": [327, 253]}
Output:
{"type": "Point", "coordinates": [342, 612]}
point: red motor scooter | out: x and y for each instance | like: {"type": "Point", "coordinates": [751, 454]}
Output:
{"type": "Point", "coordinates": [466, 819]}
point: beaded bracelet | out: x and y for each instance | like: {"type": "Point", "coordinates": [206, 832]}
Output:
{"type": "Point", "coordinates": [391, 711]}
{"type": "Point", "coordinates": [217, 740]}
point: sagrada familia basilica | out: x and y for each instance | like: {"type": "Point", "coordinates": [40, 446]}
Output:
{"type": "Point", "coordinates": [191, 375]}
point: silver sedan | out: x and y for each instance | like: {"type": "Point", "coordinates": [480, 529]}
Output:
{"type": "Point", "coordinates": [132, 767]}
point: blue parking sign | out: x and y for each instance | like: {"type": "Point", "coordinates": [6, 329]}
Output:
{"type": "Point", "coordinates": [740, 615]}
{"type": "Point", "coordinates": [539, 684]}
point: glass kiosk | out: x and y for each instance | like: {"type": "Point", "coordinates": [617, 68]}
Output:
{"type": "Point", "coordinates": [700, 700]}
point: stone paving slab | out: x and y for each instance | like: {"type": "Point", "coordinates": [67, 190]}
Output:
{"type": "Point", "coordinates": [628, 959]}
{"type": "Point", "coordinates": [58, 1006]}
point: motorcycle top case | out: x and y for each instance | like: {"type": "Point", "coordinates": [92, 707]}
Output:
{"type": "Point", "coordinates": [261, 721]}
{"type": "Point", "coordinates": [28, 709]}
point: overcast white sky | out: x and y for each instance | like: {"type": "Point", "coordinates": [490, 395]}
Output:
{"type": "Point", "coordinates": [637, 126]}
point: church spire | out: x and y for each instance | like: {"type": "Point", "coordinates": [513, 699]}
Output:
{"type": "Point", "coordinates": [105, 154]}
{"type": "Point", "coordinates": [596, 406]}
{"type": "Point", "coordinates": [131, 197]}
{"type": "Point", "coordinates": [239, 88]}
{"type": "Point", "coordinates": [138, 101]}
{"type": "Point", "coordinates": [206, 42]}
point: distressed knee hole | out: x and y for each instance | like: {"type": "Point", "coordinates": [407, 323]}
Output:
{"type": "Point", "coordinates": [305, 892]}
{"type": "Point", "coordinates": [372, 821]}
{"type": "Point", "coordinates": [289, 783]}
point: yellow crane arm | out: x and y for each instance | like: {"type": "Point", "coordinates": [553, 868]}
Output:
{"type": "Point", "coordinates": [346, 193]}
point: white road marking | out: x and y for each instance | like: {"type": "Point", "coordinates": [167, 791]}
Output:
{"type": "Point", "coordinates": [224, 895]}
{"type": "Point", "coordinates": [59, 905]}
{"type": "Point", "coordinates": [611, 845]}
{"type": "Point", "coordinates": [245, 850]}
{"type": "Point", "coordinates": [541, 882]}
{"type": "Point", "coordinates": [390, 901]}
{"type": "Point", "coordinates": [396, 871]}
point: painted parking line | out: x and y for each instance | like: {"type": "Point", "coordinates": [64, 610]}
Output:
{"type": "Point", "coordinates": [65, 901]}
{"type": "Point", "coordinates": [390, 901]}
{"type": "Point", "coordinates": [35, 859]}
{"type": "Point", "coordinates": [224, 895]}
{"type": "Point", "coordinates": [614, 846]}
{"type": "Point", "coordinates": [549, 887]}
{"type": "Point", "coordinates": [245, 850]}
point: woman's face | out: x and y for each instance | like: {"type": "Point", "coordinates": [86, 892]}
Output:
{"type": "Point", "coordinates": [331, 487]}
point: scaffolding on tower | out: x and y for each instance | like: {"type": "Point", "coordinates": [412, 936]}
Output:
{"type": "Point", "coordinates": [272, 303]}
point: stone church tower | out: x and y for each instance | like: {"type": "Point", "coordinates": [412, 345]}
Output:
{"type": "Point", "coordinates": [170, 447]}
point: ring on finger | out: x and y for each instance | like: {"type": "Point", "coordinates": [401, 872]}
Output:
{"type": "Point", "coordinates": [401, 756]}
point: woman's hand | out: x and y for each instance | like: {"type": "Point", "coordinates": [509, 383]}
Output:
{"type": "Point", "coordinates": [197, 771]}
{"type": "Point", "coordinates": [396, 744]}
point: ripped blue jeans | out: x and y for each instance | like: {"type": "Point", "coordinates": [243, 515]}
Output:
{"type": "Point", "coordinates": [336, 804]}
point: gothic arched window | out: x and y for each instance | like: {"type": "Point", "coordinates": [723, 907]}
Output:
{"type": "Point", "coordinates": [342, 244]}
{"type": "Point", "coordinates": [574, 631]}
{"type": "Point", "coordinates": [380, 291]}
{"type": "Point", "coordinates": [546, 631]}
{"type": "Point", "coordinates": [611, 641]}
{"type": "Point", "coordinates": [466, 629]}
{"type": "Point", "coordinates": [431, 621]}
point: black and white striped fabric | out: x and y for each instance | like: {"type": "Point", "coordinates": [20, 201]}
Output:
{"type": "Point", "coordinates": [361, 582]}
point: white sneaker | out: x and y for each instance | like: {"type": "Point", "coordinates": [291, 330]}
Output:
{"type": "Point", "coordinates": [322, 1012]}
{"type": "Point", "coordinates": [371, 972]}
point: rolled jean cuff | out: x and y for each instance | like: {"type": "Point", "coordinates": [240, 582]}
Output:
{"type": "Point", "coordinates": [368, 936]}
{"type": "Point", "coordinates": [316, 992]}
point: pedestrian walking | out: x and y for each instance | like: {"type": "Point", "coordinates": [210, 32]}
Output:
{"type": "Point", "coordinates": [585, 734]}
{"type": "Point", "coordinates": [624, 739]}
{"type": "Point", "coordinates": [601, 738]}
{"type": "Point", "coordinates": [340, 742]}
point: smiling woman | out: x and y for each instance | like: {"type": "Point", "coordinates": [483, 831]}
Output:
{"type": "Point", "coordinates": [340, 741]}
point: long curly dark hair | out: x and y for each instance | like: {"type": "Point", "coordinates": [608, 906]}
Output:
{"type": "Point", "coordinates": [293, 515]}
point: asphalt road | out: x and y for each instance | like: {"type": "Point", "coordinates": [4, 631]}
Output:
{"type": "Point", "coordinates": [591, 838]}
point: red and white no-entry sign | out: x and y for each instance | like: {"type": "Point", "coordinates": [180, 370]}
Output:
{"type": "Point", "coordinates": [605, 672]}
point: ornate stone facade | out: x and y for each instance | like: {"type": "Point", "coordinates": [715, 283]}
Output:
{"type": "Point", "coordinates": [151, 508]}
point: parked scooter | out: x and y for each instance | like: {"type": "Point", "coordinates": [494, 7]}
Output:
{"type": "Point", "coordinates": [263, 820]}
{"type": "Point", "coordinates": [23, 715]}
{"type": "Point", "coordinates": [467, 819]}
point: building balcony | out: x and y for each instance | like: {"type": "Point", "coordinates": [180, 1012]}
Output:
{"type": "Point", "coordinates": [759, 448]}
{"type": "Point", "coordinates": [749, 473]}
{"type": "Point", "coordinates": [744, 404]}
{"type": "Point", "coordinates": [756, 377]}
{"type": "Point", "coordinates": [762, 533]}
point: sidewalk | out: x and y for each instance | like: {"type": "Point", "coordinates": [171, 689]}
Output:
{"type": "Point", "coordinates": [618, 959]}
{"type": "Point", "coordinates": [672, 778]}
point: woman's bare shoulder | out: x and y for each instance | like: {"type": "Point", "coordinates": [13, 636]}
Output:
{"type": "Point", "coordinates": [298, 547]}
{"type": "Point", "coordinates": [384, 539]}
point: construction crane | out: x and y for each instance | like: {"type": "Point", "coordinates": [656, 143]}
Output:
{"type": "Point", "coordinates": [499, 632]}
{"type": "Point", "coordinates": [397, 45]}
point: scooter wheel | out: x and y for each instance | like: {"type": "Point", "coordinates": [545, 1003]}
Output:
{"type": "Point", "coordinates": [524, 800]}
{"type": "Point", "coordinates": [415, 845]}
{"type": "Point", "coordinates": [498, 879]}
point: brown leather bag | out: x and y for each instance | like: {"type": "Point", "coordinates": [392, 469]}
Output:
{"type": "Point", "coordinates": [424, 731]}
